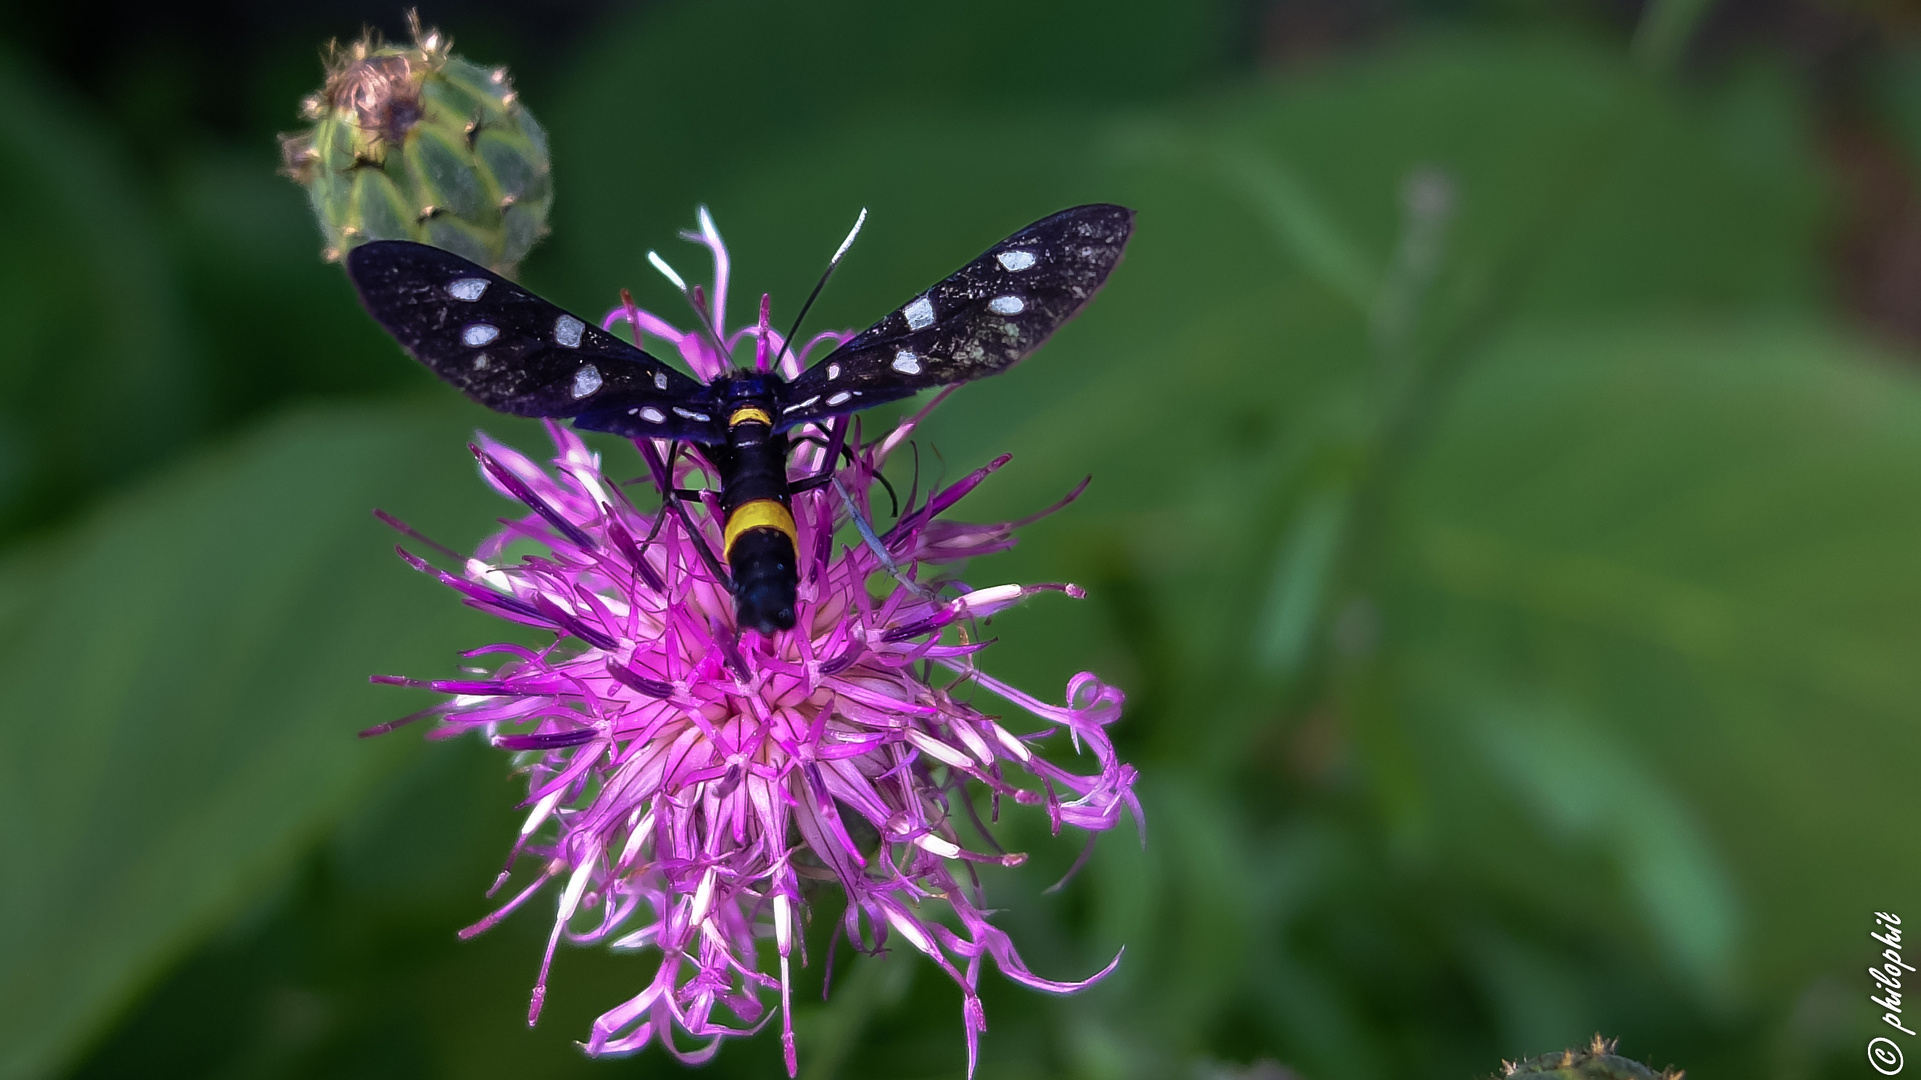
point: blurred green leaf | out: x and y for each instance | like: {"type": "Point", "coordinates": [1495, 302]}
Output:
{"type": "Point", "coordinates": [1301, 225]}
{"type": "Point", "coordinates": [682, 99]}
{"type": "Point", "coordinates": [1582, 788]}
{"type": "Point", "coordinates": [831, 1034]}
{"type": "Point", "coordinates": [1699, 537]}
{"type": "Point", "coordinates": [189, 669]}
{"type": "Point", "coordinates": [94, 380]}
{"type": "Point", "coordinates": [1894, 93]}
{"type": "Point", "coordinates": [276, 324]}
{"type": "Point", "coordinates": [1665, 28]}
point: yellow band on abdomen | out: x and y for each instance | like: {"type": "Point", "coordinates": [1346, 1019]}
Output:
{"type": "Point", "coordinates": [758, 514]}
{"type": "Point", "coordinates": [750, 412]}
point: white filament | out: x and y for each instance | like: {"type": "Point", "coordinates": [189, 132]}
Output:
{"type": "Point", "coordinates": [660, 264]}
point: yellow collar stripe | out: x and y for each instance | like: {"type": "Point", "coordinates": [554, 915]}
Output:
{"type": "Point", "coordinates": [758, 514]}
{"type": "Point", "coordinates": [751, 412]}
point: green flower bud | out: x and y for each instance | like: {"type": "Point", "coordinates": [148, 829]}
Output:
{"type": "Point", "coordinates": [1597, 1062]}
{"type": "Point", "coordinates": [415, 143]}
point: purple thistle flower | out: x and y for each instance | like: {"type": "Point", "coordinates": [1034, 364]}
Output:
{"type": "Point", "coordinates": [684, 777]}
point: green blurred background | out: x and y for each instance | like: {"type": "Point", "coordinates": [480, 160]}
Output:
{"type": "Point", "coordinates": [1506, 523]}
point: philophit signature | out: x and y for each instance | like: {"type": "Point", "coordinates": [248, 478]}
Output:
{"type": "Point", "coordinates": [1883, 1052]}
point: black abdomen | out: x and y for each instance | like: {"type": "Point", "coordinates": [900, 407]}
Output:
{"type": "Point", "coordinates": [765, 579]}
{"type": "Point", "coordinates": [759, 532]}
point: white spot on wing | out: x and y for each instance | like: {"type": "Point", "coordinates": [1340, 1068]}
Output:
{"type": "Point", "coordinates": [467, 288]}
{"type": "Point", "coordinates": [691, 414]}
{"type": "Point", "coordinates": [653, 415]}
{"type": "Point", "coordinates": [1007, 305]}
{"type": "Point", "coordinates": [840, 398]}
{"type": "Point", "coordinates": [567, 331]}
{"type": "Point", "coordinates": [480, 361]}
{"type": "Point", "coordinates": [906, 362]}
{"type": "Point", "coordinates": [1016, 260]}
{"type": "Point", "coordinates": [478, 334]}
{"type": "Point", "coordinates": [660, 380]}
{"type": "Point", "coordinates": [833, 371]}
{"type": "Point", "coordinates": [586, 380]}
{"type": "Point", "coordinates": [800, 404]}
{"type": "Point", "coordinates": [920, 314]}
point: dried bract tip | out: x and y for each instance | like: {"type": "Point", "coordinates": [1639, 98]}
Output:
{"type": "Point", "coordinates": [1597, 1062]}
{"type": "Point", "coordinates": [298, 158]}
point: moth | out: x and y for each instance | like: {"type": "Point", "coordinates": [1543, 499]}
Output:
{"type": "Point", "coordinates": [516, 353]}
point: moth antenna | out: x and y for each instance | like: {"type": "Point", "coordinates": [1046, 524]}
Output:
{"type": "Point", "coordinates": [787, 343]}
{"type": "Point", "coordinates": [849, 242]}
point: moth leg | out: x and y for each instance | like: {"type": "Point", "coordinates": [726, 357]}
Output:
{"type": "Point", "coordinates": [893, 499]}
{"type": "Point", "coordinates": [659, 519]}
{"type": "Point", "coordinates": [836, 448]}
{"type": "Point", "coordinates": [809, 483]}
{"type": "Point", "coordinates": [707, 556]}
{"type": "Point", "coordinates": [670, 498]}
{"type": "Point", "coordinates": [675, 497]}
{"type": "Point", "coordinates": [693, 495]}
{"type": "Point", "coordinates": [667, 496]}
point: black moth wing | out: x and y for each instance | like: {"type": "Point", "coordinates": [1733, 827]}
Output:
{"type": "Point", "coordinates": [979, 321]}
{"type": "Point", "coordinates": [516, 353]}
